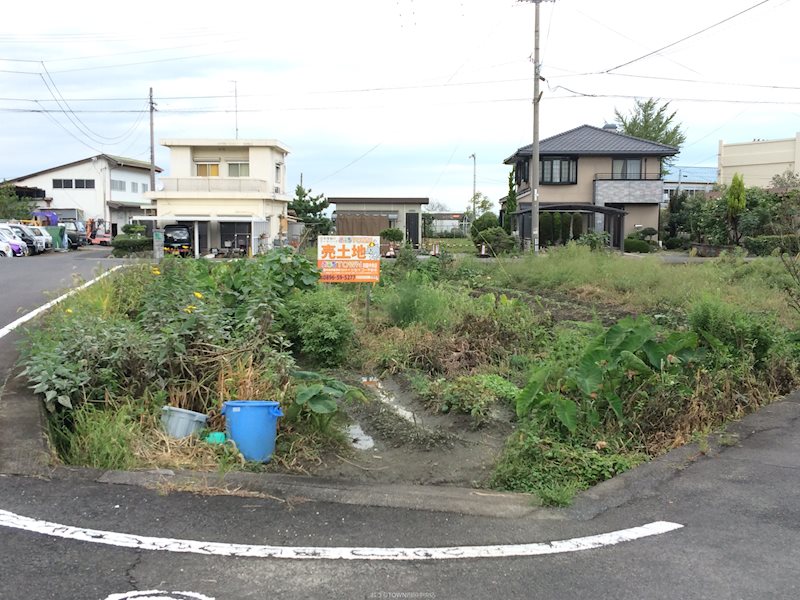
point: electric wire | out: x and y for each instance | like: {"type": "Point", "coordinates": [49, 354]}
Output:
{"type": "Point", "coordinates": [688, 37]}
{"type": "Point", "coordinates": [88, 131]}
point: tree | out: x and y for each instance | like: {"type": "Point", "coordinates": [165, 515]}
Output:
{"type": "Point", "coordinates": [12, 206]}
{"type": "Point", "coordinates": [485, 221]}
{"type": "Point", "coordinates": [736, 201]}
{"type": "Point", "coordinates": [309, 209]}
{"type": "Point", "coordinates": [652, 121]}
{"type": "Point", "coordinates": [481, 203]}
{"type": "Point", "coordinates": [788, 179]}
{"type": "Point", "coordinates": [511, 204]}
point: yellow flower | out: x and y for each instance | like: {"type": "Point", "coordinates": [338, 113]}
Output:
{"type": "Point", "coordinates": [155, 271]}
{"type": "Point", "coordinates": [68, 311]}
{"type": "Point", "coordinates": [190, 309]}
{"type": "Point", "coordinates": [198, 295]}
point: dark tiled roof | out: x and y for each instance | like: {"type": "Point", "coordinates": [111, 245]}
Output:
{"type": "Point", "coordinates": [378, 200]}
{"type": "Point", "coordinates": [593, 141]}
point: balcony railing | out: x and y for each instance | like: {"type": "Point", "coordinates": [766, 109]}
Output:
{"type": "Point", "coordinates": [619, 177]}
{"type": "Point", "coordinates": [218, 184]}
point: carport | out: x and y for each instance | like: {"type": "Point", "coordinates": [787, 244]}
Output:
{"type": "Point", "coordinates": [613, 220]}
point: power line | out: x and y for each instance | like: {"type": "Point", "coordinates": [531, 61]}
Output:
{"type": "Point", "coordinates": [688, 37]}
{"type": "Point", "coordinates": [350, 164]}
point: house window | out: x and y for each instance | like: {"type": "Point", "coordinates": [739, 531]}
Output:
{"type": "Point", "coordinates": [626, 168]}
{"type": "Point", "coordinates": [87, 184]}
{"type": "Point", "coordinates": [521, 172]}
{"type": "Point", "coordinates": [558, 171]}
{"type": "Point", "coordinates": [118, 185]}
{"type": "Point", "coordinates": [144, 188]}
{"type": "Point", "coordinates": [135, 187]}
{"type": "Point", "coordinates": [59, 184]}
{"type": "Point", "coordinates": [208, 169]}
{"type": "Point", "coordinates": [278, 173]}
{"type": "Point", "coordinates": [241, 169]}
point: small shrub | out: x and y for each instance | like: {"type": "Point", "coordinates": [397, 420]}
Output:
{"type": "Point", "coordinates": [103, 438]}
{"type": "Point", "coordinates": [416, 300]}
{"type": "Point", "coordinates": [496, 239]}
{"type": "Point", "coordinates": [319, 323]}
{"type": "Point", "coordinates": [392, 234]}
{"type": "Point", "coordinates": [485, 221]}
{"type": "Point", "coordinates": [675, 243]}
{"type": "Point", "coordinates": [595, 240]}
{"type": "Point", "coordinates": [125, 244]}
{"type": "Point", "coordinates": [739, 332]}
{"type": "Point", "coordinates": [767, 245]}
{"type": "Point", "coordinates": [634, 245]}
{"type": "Point", "coordinates": [407, 259]}
{"type": "Point", "coordinates": [533, 461]}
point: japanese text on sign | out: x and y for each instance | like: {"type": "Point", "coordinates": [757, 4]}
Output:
{"type": "Point", "coordinates": [349, 259]}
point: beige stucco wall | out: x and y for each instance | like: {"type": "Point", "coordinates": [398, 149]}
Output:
{"type": "Point", "coordinates": [262, 160]}
{"type": "Point", "coordinates": [758, 162]}
{"type": "Point", "coordinates": [583, 190]}
{"type": "Point", "coordinates": [645, 215]}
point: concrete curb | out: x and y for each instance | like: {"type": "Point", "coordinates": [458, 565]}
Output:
{"type": "Point", "coordinates": [642, 482]}
{"type": "Point", "coordinates": [24, 448]}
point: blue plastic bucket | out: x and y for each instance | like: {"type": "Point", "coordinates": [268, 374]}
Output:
{"type": "Point", "coordinates": [252, 425]}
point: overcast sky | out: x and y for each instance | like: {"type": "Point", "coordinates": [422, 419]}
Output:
{"type": "Point", "coordinates": [385, 97]}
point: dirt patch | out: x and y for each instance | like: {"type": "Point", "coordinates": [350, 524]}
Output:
{"type": "Point", "coordinates": [412, 444]}
{"type": "Point", "coordinates": [583, 304]}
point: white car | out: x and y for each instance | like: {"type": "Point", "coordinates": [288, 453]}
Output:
{"type": "Point", "coordinates": [42, 233]}
{"type": "Point", "coordinates": [5, 250]}
{"type": "Point", "coordinates": [11, 236]}
{"type": "Point", "coordinates": [24, 231]}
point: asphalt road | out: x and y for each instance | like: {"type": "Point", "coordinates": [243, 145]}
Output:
{"type": "Point", "coordinates": [738, 506]}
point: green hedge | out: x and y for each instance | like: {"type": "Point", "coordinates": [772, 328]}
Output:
{"type": "Point", "coordinates": [634, 245]}
{"type": "Point", "coordinates": [130, 244]}
{"type": "Point", "coordinates": [496, 240]}
{"type": "Point", "coordinates": [674, 243]}
{"type": "Point", "coordinates": [765, 245]}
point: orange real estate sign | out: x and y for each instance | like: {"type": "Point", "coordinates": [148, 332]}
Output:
{"type": "Point", "coordinates": [349, 258]}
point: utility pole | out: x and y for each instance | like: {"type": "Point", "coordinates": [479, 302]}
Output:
{"type": "Point", "coordinates": [537, 96]}
{"type": "Point", "coordinates": [236, 107]}
{"type": "Point", "coordinates": [152, 145]}
{"type": "Point", "coordinates": [474, 190]}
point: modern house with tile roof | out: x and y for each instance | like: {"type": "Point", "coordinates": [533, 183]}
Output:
{"type": "Point", "coordinates": [597, 173]}
{"type": "Point", "coordinates": [108, 189]}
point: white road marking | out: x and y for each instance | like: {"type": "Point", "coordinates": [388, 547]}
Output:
{"type": "Point", "coordinates": [158, 595]}
{"type": "Point", "coordinates": [45, 307]}
{"type": "Point", "coordinates": [125, 540]}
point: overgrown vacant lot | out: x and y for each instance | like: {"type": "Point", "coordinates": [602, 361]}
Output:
{"type": "Point", "coordinates": [538, 374]}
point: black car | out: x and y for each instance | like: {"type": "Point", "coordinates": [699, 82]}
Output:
{"type": "Point", "coordinates": [76, 234]}
{"type": "Point", "coordinates": [178, 240]}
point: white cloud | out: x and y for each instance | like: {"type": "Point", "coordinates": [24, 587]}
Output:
{"type": "Point", "coordinates": [405, 77]}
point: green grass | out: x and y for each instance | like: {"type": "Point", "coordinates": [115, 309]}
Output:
{"type": "Point", "coordinates": [452, 245]}
{"type": "Point", "coordinates": [648, 284]}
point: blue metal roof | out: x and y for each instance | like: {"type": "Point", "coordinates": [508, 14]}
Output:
{"type": "Point", "coordinates": [691, 175]}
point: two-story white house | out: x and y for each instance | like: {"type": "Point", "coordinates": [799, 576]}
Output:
{"type": "Point", "coordinates": [108, 189]}
{"type": "Point", "coordinates": [232, 192]}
